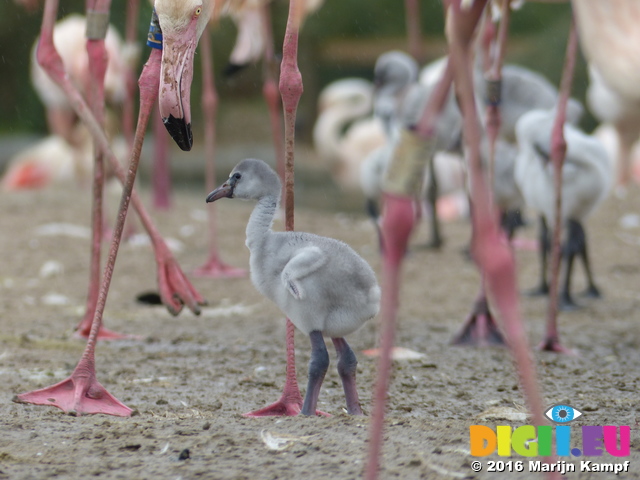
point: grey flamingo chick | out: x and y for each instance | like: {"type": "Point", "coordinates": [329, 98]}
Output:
{"type": "Point", "coordinates": [586, 180]}
{"type": "Point", "coordinates": [399, 102]}
{"type": "Point", "coordinates": [523, 90]}
{"type": "Point", "coordinates": [321, 284]}
{"type": "Point", "coordinates": [393, 73]}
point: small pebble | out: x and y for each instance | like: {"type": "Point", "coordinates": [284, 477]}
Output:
{"type": "Point", "coordinates": [55, 299]}
{"type": "Point", "coordinates": [51, 268]}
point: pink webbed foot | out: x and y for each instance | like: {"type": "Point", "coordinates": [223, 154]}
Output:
{"type": "Point", "coordinates": [77, 395]}
{"type": "Point", "coordinates": [552, 344]}
{"type": "Point", "coordinates": [480, 329]}
{"type": "Point", "coordinates": [281, 409]}
{"type": "Point", "coordinates": [287, 406]}
{"type": "Point", "coordinates": [215, 268]}
{"type": "Point", "coordinates": [175, 289]}
{"type": "Point", "coordinates": [103, 334]}
{"type": "Point", "coordinates": [84, 329]}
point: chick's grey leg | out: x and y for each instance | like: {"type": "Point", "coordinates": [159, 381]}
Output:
{"type": "Point", "coordinates": [347, 366]}
{"type": "Point", "coordinates": [318, 366]}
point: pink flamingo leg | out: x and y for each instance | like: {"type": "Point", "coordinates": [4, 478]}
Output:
{"type": "Point", "coordinates": [490, 252]}
{"type": "Point", "coordinates": [627, 136]}
{"type": "Point", "coordinates": [398, 220]}
{"type": "Point", "coordinates": [271, 94]}
{"type": "Point", "coordinates": [480, 328]}
{"type": "Point", "coordinates": [551, 341]}
{"type": "Point", "coordinates": [81, 393]}
{"type": "Point", "coordinates": [175, 289]}
{"type": "Point", "coordinates": [290, 403]}
{"type": "Point", "coordinates": [412, 20]}
{"type": "Point", "coordinates": [494, 82]}
{"type": "Point", "coordinates": [214, 267]}
{"type": "Point", "coordinates": [492, 255]}
{"type": "Point", "coordinates": [128, 107]}
{"type": "Point", "coordinates": [97, 68]}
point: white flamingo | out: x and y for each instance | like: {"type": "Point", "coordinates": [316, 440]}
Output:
{"type": "Point", "coordinates": [345, 131]}
{"type": "Point", "coordinates": [70, 41]}
{"type": "Point", "coordinates": [586, 180]}
{"type": "Point", "coordinates": [609, 38]}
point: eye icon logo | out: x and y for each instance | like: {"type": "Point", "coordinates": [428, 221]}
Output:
{"type": "Point", "coordinates": [562, 413]}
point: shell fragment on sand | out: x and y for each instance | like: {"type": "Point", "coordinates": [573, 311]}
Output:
{"type": "Point", "coordinates": [63, 230]}
{"type": "Point", "coordinates": [504, 413]}
{"type": "Point", "coordinates": [282, 441]}
{"type": "Point", "coordinates": [397, 353]}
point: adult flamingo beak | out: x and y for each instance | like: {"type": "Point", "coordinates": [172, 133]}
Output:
{"type": "Point", "coordinates": [176, 75]}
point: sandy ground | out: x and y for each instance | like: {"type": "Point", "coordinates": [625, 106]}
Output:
{"type": "Point", "coordinates": [191, 377]}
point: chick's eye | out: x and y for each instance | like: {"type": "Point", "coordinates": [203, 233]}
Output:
{"type": "Point", "coordinates": [237, 176]}
{"type": "Point", "coordinates": [562, 413]}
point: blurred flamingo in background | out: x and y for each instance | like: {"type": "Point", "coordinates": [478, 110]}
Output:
{"type": "Point", "coordinates": [55, 161]}
{"type": "Point", "coordinates": [345, 131]}
{"type": "Point", "coordinates": [69, 40]}
{"type": "Point", "coordinates": [71, 153]}
{"type": "Point", "coordinates": [609, 40]}
{"type": "Point", "coordinates": [610, 138]}
{"type": "Point", "coordinates": [586, 181]}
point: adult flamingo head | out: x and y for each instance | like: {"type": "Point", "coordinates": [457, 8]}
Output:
{"type": "Point", "coordinates": [182, 22]}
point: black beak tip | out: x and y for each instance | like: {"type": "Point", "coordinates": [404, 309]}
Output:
{"type": "Point", "coordinates": [180, 131]}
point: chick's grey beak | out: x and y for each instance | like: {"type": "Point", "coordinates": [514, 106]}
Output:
{"type": "Point", "coordinates": [224, 190]}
